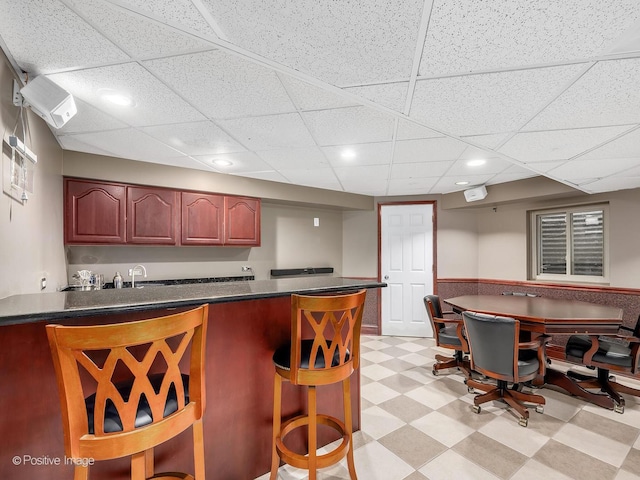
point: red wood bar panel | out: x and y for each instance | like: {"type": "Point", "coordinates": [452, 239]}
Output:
{"type": "Point", "coordinates": [240, 341]}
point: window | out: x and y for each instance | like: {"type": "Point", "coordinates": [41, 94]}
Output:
{"type": "Point", "coordinates": [570, 244]}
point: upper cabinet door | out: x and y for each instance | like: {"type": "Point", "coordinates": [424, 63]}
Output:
{"type": "Point", "coordinates": [242, 221]}
{"type": "Point", "coordinates": [202, 217]}
{"type": "Point", "coordinates": [152, 216]}
{"type": "Point", "coordinates": [94, 212]}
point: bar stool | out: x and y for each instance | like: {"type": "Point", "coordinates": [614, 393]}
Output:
{"type": "Point", "coordinates": [132, 408]}
{"type": "Point", "coordinates": [328, 355]}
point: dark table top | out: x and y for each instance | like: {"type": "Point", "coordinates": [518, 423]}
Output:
{"type": "Point", "coordinates": [35, 307]}
{"type": "Point", "coordinates": [547, 314]}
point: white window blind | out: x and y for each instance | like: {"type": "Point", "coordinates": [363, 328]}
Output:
{"type": "Point", "coordinates": [570, 244]}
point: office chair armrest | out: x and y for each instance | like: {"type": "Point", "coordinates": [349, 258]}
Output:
{"type": "Point", "coordinates": [449, 312]}
{"type": "Point", "coordinates": [533, 344]}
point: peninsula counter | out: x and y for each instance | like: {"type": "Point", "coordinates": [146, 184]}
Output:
{"type": "Point", "coordinates": [247, 322]}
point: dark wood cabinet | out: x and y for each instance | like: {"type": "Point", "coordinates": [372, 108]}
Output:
{"type": "Point", "coordinates": [152, 216]}
{"type": "Point", "coordinates": [202, 219]}
{"type": "Point", "coordinates": [95, 212]}
{"type": "Point", "coordinates": [241, 221]}
{"type": "Point", "coordinates": [99, 212]}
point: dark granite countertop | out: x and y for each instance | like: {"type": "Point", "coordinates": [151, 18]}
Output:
{"type": "Point", "coordinates": [35, 307]}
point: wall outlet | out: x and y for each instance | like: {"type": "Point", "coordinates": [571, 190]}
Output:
{"type": "Point", "coordinates": [43, 283]}
{"type": "Point", "coordinates": [316, 222]}
{"type": "Point", "coordinates": [246, 268]}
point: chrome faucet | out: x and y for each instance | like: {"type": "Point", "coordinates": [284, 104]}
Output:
{"type": "Point", "coordinates": [132, 273]}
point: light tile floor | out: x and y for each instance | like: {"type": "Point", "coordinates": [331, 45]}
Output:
{"type": "Point", "coordinates": [417, 426]}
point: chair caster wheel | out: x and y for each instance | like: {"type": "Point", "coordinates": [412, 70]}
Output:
{"type": "Point", "coordinates": [434, 372]}
{"type": "Point", "coordinates": [539, 409]}
{"type": "Point", "coordinates": [523, 422]}
{"type": "Point", "coordinates": [618, 408]}
{"type": "Point", "coordinates": [470, 390]}
{"type": "Point", "coordinates": [477, 409]}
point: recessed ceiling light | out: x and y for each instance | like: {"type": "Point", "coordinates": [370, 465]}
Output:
{"type": "Point", "coordinates": [223, 163]}
{"type": "Point", "coordinates": [348, 154]}
{"type": "Point", "coordinates": [462, 183]}
{"type": "Point", "coordinates": [116, 98]}
{"type": "Point", "coordinates": [476, 163]}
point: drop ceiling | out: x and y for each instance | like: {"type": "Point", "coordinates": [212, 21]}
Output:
{"type": "Point", "coordinates": [374, 97]}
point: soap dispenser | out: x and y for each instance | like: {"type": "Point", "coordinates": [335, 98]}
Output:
{"type": "Point", "coordinates": [117, 280]}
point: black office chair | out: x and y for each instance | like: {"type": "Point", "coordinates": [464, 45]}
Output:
{"type": "Point", "coordinates": [620, 353]}
{"type": "Point", "coordinates": [448, 334]}
{"type": "Point", "coordinates": [497, 353]}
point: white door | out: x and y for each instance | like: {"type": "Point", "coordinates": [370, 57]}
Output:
{"type": "Point", "coordinates": [406, 261]}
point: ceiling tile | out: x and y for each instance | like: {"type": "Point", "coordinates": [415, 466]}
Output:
{"type": "Point", "coordinates": [155, 104]}
{"type": "Point", "coordinates": [627, 145]}
{"type": "Point", "coordinates": [411, 186]}
{"type": "Point", "coordinates": [360, 154]}
{"type": "Point", "coordinates": [611, 184]}
{"type": "Point", "coordinates": [313, 177]}
{"type": "Point", "coordinates": [295, 158]}
{"type": "Point", "coordinates": [530, 147]}
{"type": "Point", "coordinates": [270, 131]}
{"type": "Point", "coordinates": [127, 143]}
{"type": "Point", "coordinates": [342, 43]}
{"type": "Point", "coordinates": [448, 184]}
{"type": "Point", "coordinates": [75, 144]}
{"type": "Point", "coordinates": [489, 141]}
{"type": "Point", "coordinates": [390, 95]}
{"type": "Point", "coordinates": [38, 48]}
{"type": "Point", "coordinates": [468, 36]}
{"type": "Point", "coordinates": [370, 178]}
{"type": "Point", "coordinates": [311, 97]}
{"type": "Point", "coordinates": [223, 85]}
{"type": "Point", "coordinates": [136, 34]}
{"type": "Point", "coordinates": [409, 130]}
{"type": "Point", "coordinates": [419, 170]}
{"type": "Point", "coordinates": [345, 126]}
{"type": "Point", "coordinates": [607, 94]}
{"type": "Point", "coordinates": [493, 165]}
{"type": "Point", "coordinates": [241, 162]}
{"type": "Point", "coordinates": [511, 174]}
{"type": "Point", "coordinates": [428, 150]}
{"type": "Point", "coordinates": [596, 168]}
{"type": "Point", "coordinates": [89, 119]}
{"type": "Point", "coordinates": [181, 12]}
{"type": "Point", "coordinates": [521, 94]}
{"type": "Point", "coordinates": [197, 138]}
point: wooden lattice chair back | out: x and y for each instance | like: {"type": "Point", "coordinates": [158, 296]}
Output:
{"type": "Point", "coordinates": [140, 398]}
{"type": "Point", "coordinates": [335, 323]}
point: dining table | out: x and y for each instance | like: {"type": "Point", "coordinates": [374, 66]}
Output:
{"type": "Point", "coordinates": [547, 316]}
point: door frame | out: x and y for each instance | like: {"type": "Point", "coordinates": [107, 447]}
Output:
{"type": "Point", "coordinates": [434, 207]}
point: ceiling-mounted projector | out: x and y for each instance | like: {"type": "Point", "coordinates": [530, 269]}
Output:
{"type": "Point", "coordinates": [474, 194]}
{"type": "Point", "coordinates": [50, 101]}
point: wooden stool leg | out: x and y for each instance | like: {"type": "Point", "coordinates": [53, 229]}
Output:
{"type": "Point", "coordinates": [198, 450]}
{"type": "Point", "coordinates": [348, 425]}
{"type": "Point", "coordinates": [138, 466]}
{"type": "Point", "coordinates": [148, 463]}
{"type": "Point", "coordinates": [313, 433]}
{"type": "Point", "coordinates": [277, 408]}
{"type": "Point", "coordinates": [81, 472]}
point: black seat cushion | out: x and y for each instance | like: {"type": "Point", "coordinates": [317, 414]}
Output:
{"type": "Point", "coordinates": [112, 422]}
{"type": "Point", "coordinates": [612, 353]}
{"type": "Point", "coordinates": [282, 356]}
{"type": "Point", "coordinates": [449, 336]}
{"type": "Point", "coordinates": [528, 362]}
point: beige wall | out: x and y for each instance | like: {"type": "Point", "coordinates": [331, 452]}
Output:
{"type": "Point", "coordinates": [31, 234]}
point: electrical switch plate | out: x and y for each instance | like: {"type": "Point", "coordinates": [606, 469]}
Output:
{"type": "Point", "coordinates": [316, 222]}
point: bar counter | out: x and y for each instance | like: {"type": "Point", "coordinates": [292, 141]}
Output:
{"type": "Point", "coordinates": [247, 322]}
